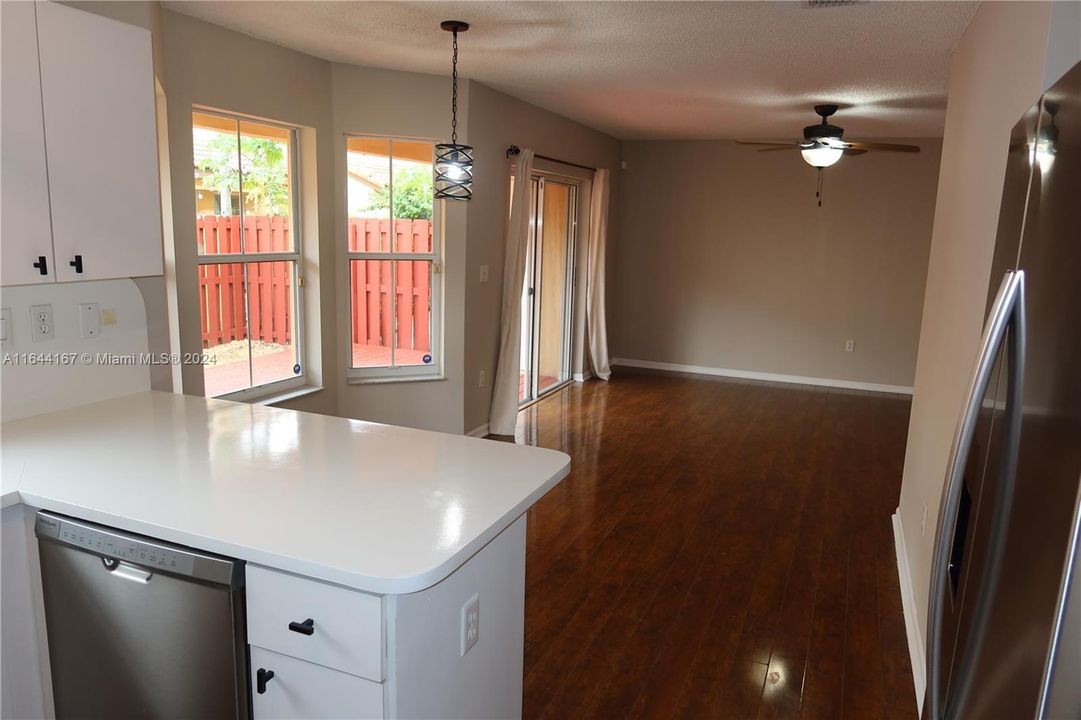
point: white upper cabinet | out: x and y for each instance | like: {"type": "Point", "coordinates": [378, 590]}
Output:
{"type": "Point", "coordinates": [26, 242]}
{"type": "Point", "coordinates": [97, 90]}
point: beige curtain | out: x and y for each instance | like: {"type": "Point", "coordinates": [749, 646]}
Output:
{"type": "Point", "coordinates": [505, 391]}
{"type": "Point", "coordinates": [596, 327]}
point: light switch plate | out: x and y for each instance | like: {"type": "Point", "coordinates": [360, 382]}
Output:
{"type": "Point", "coordinates": [6, 328]}
{"type": "Point", "coordinates": [484, 273]}
{"type": "Point", "coordinates": [89, 320]}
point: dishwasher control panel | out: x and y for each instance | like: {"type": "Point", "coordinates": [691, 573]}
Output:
{"type": "Point", "coordinates": [114, 545]}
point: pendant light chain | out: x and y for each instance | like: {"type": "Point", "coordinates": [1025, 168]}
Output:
{"type": "Point", "coordinates": [454, 93]}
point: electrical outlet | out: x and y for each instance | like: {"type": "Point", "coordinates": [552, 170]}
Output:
{"type": "Point", "coordinates": [470, 623]}
{"type": "Point", "coordinates": [850, 345]}
{"type": "Point", "coordinates": [482, 378]}
{"type": "Point", "coordinates": [6, 328]}
{"type": "Point", "coordinates": [484, 273]}
{"type": "Point", "coordinates": [41, 323]}
{"type": "Point", "coordinates": [89, 320]}
{"type": "Point", "coordinates": [923, 521]}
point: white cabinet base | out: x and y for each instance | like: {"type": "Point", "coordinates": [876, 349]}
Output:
{"type": "Point", "coordinates": [428, 676]}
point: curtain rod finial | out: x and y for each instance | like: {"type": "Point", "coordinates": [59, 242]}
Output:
{"type": "Point", "coordinates": [513, 150]}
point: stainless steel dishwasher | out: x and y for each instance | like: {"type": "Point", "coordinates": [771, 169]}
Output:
{"type": "Point", "coordinates": [138, 627]}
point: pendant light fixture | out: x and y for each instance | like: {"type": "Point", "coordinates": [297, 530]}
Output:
{"type": "Point", "coordinates": [454, 162]}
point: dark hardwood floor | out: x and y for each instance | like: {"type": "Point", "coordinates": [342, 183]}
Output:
{"type": "Point", "coordinates": [721, 549]}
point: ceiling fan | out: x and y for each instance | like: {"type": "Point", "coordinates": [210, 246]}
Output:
{"type": "Point", "coordinates": [822, 145]}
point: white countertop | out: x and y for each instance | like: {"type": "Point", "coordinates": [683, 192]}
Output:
{"type": "Point", "coordinates": [375, 507]}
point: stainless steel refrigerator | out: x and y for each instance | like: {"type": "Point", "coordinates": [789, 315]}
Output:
{"type": "Point", "coordinates": [1004, 634]}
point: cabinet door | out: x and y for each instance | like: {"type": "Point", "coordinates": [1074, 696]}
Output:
{"type": "Point", "coordinates": [301, 689]}
{"type": "Point", "coordinates": [97, 85]}
{"type": "Point", "coordinates": [24, 224]}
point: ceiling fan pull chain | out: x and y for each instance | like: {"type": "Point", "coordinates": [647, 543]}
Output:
{"type": "Point", "coordinates": [818, 192]}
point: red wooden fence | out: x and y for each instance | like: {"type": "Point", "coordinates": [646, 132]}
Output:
{"type": "Point", "coordinates": [370, 283]}
{"type": "Point", "coordinates": [221, 287]}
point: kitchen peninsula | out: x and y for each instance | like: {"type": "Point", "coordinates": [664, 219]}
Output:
{"type": "Point", "coordinates": [383, 536]}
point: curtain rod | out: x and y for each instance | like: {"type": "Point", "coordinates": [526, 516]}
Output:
{"type": "Point", "coordinates": [513, 150]}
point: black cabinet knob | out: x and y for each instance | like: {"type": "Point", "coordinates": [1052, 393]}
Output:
{"type": "Point", "coordinates": [304, 628]}
{"type": "Point", "coordinates": [77, 263]}
{"type": "Point", "coordinates": [262, 677]}
{"type": "Point", "coordinates": [42, 265]}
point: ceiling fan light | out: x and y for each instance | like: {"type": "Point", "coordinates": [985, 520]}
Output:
{"type": "Point", "coordinates": [821, 156]}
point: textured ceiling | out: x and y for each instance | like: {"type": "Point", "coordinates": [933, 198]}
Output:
{"type": "Point", "coordinates": [653, 69]}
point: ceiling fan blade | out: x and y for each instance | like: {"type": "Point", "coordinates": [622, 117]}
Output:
{"type": "Point", "coordinates": [889, 147]}
{"type": "Point", "coordinates": [781, 147]}
{"type": "Point", "coordinates": [778, 143]}
{"type": "Point", "coordinates": [855, 151]}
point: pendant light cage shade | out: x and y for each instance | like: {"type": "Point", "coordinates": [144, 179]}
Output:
{"type": "Point", "coordinates": [453, 171]}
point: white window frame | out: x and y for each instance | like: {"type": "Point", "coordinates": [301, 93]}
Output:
{"type": "Point", "coordinates": [398, 373]}
{"type": "Point", "coordinates": [287, 385]}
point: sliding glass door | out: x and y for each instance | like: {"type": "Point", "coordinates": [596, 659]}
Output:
{"type": "Point", "coordinates": [547, 290]}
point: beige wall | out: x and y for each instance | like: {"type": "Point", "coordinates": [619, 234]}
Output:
{"type": "Point", "coordinates": [497, 120]}
{"type": "Point", "coordinates": [995, 75]}
{"type": "Point", "coordinates": [726, 261]}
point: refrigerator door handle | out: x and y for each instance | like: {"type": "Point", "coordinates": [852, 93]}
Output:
{"type": "Point", "coordinates": [1008, 307]}
{"type": "Point", "coordinates": [965, 665]}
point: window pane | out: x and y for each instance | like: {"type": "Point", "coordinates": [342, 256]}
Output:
{"type": "Point", "coordinates": [368, 196]}
{"type": "Point", "coordinates": [217, 184]}
{"type": "Point", "coordinates": [369, 292]}
{"type": "Point", "coordinates": [224, 324]}
{"type": "Point", "coordinates": [266, 187]}
{"type": "Point", "coordinates": [413, 307]}
{"type": "Point", "coordinates": [272, 321]}
{"type": "Point", "coordinates": [411, 194]}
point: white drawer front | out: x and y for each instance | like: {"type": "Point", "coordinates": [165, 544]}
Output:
{"type": "Point", "coordinates": [304, 690]}
{"type": "Point", "coordinates": [348, 625]}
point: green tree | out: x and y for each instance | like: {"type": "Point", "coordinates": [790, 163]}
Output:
{"type": "Point", "coordinates": [412, 194]}
{"type": "Point", "coordinates": [266, 171]}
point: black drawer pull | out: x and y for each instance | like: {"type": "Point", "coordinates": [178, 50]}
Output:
{"type": "Point", "coordinates": [262, 678]}
{"type": "Point", "coordinates": [304, 628]}
{"type": "Point", "coordinates": [42, 265]}
{"type": "Point", "coordinates": [77, 263]}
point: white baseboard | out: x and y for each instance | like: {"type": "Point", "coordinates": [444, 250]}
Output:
{"type": "Point", "coordinates": [581, 377]}
{"type": "Point", "coordinates": [771, 377]}
{"type": "Point", "coordinates": [912, 622]}
{"type": "Point", "coordinates": [479, 432]}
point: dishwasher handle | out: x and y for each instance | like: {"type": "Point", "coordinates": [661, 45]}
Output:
{"type": "Point", "coordinates": [126, 571]}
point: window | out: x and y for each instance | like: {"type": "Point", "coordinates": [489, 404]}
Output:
{"type": "Point", "coordinates": [249, 252]}
{"type": "Point", "coordinates": [393, 251]}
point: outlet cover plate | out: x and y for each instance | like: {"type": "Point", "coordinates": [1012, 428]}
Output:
{"type": "Point", "coordinates": [470, 623]}
{"type": "Point", "coordinates": [41, 323]}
